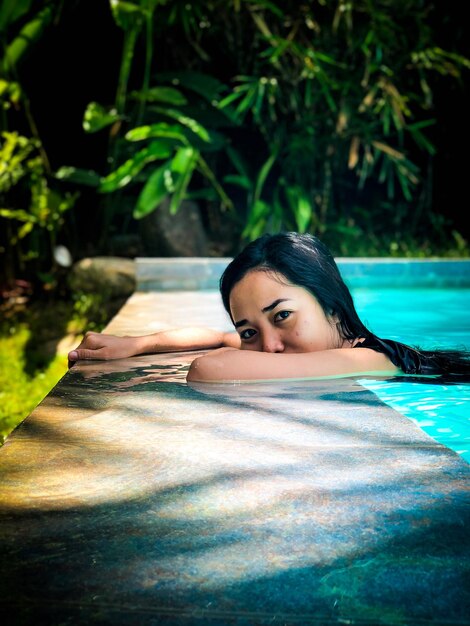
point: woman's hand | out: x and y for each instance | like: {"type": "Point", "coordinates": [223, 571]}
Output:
{"type": "Point", "coordinates": [98, 346]}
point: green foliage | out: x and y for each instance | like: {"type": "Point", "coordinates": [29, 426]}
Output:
{"type": "Point", "coordinates": [97, 117]}
{"type": "Point", "coordinates": [31, 209]}
{"type": "Point", "coordinates": [336, 90]}
{"type": "Point", "coordinates": [178, 146]}
{"type": "Point", "coordinates": [15, 47]}
{"type": "Point", "coordinates": [306, 116]}
{"type": "Point", "coordinates": [34, 210]}
{"type": "Point", "coordinates": [32, 360]}
{"type": "Point", "coordinates": [20, 392]}
{"type": "Point", "coordinates": [91, 311]}
{"type": "Point", "coordinates": [20, 164]}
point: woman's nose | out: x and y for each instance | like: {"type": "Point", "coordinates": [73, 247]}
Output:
{"type": "Point", "coordinates": [272, 343]}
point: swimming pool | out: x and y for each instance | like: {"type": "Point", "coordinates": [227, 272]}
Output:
{"type": "Point", "coordinates": [148, 500]}
{"type": "Point", "coordinates": [427, 318]}
{"type": "Point", "coordinates": [422, 316]}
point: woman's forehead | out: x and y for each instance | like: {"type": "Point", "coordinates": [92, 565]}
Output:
{"type": "Point", "coordinates": [261, 287]}
{"type": "Point", "coordinates": [260, 278]}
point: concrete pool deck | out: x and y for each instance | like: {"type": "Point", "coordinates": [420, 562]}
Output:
{"type": "Point", "coordinates": [128, 497]}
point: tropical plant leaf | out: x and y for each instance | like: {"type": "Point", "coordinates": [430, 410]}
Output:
{"type": "Point", "coordinates": [184, 120]}
{"type": "Point", "coordinates": [203, 84]}
{"type": "Point", "coordinates": [128, 171]}
{"type": "Point", "coordinates": [182, 166]}
{"type": "Point", "coordinates": [155, 190]}
{"type": "Point", "coordinates": [303, 214]}
{"type": "Point", "coordinates": [168, 95]}
{"type": "Point", "coordinates": [209, 193]}
{"type": "Point", "coordinates": [126, 14]}
{"type": "Point", "coordinates": [236, 179]}
{"type": "Point", "coordinates": [16, 214]}
{"type": "Point", "coordinates": [78, 176]}
{"type": "Point", "coordinates": [157, 130]}
{"type": "Point", "coordinates": [26, 38]}
{"type": "Point", "coordinates": [97, 117]}
{"type": "Point", "coordinates": [257, 219]}
{"type": "Point", "coordinates": [12, 10]}
{"type": "Point", "coordinates": [211, 177]}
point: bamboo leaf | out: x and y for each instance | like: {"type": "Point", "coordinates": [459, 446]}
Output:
{"type": "Point", "coordinates": [421, 139]}
{"type": "Point", "coordinates": [238, 161]}
{"type": "Point", "coordinates": [404, 184]}
{"type": "Point", "coordinates": [270, 6]}
{"type": "Point", "coordinates": [247, 102]}
{"type": "Point", "coordinates": [383, 147]}
{"type": "Point", "coordinates": [354, 152]}
{"type": "Point", "coordinates": [263, 174]}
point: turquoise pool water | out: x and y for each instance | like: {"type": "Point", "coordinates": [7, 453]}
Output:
{"type": "Point", "coordinates": [426, 318]}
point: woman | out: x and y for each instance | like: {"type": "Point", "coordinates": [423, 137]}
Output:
{"type": "Point", "coordinates": [294, 318]}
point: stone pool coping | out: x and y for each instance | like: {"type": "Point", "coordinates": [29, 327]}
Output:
{"type": "Point", "coordinates": [130, 498]}
{"type": "Point", "coordinates": [204, 273]}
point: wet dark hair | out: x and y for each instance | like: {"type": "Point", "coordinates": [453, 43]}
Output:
{"type": "Point", "coordinates": [307, 262]}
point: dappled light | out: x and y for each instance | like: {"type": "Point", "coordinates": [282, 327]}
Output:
{"type": "Point", "coordinates": [146, 498]}
{"type": "Point", "coordinates": [216, 498]}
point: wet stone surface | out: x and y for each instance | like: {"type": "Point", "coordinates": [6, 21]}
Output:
{"type": "Point", "coordinates": [130, 497]}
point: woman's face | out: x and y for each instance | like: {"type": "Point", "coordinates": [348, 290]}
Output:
{"type": "Point", "coordinates": [273, 315]}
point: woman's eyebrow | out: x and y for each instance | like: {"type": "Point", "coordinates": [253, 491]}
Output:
{"type": "Point", "coordinates": [272, 306]}
{"type": "Point", "coordinates": [266, 309]}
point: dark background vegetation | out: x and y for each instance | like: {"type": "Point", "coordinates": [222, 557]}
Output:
{"type": "Point", "coordinates": [298, 100]}
{"type": "Point", "coordinates": [77, 60]}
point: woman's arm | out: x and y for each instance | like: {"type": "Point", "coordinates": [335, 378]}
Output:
{"type": "Point", "coordinates": [100, 346]}
{"type": "Point", "coordinates": [227, 364]}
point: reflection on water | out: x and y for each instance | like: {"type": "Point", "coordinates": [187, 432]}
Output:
{"type": "Point", "coordinates": [438, 406]}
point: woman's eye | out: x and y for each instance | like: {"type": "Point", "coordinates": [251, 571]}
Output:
{"type": "Point", "coordinates": [282, 315]}
{"type": "Point", "coordinates": [247, 334]}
